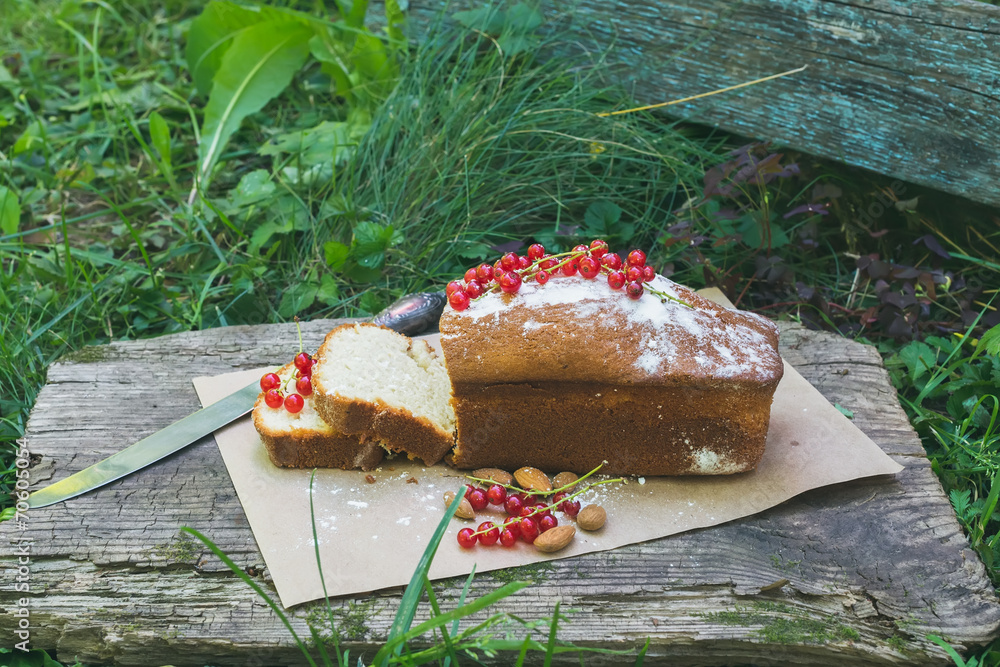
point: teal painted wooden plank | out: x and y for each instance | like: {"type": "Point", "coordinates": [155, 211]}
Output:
{"type": "Point", "coordinates": [906, 89]}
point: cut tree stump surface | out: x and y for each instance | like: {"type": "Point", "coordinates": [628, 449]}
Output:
{"type": "Point", "coordinates": [856, 574]}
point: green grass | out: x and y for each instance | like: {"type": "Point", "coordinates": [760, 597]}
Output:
{"type": "Point", "coordinates": [328, 204]}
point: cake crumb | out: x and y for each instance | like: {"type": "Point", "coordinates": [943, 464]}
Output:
{"type": "Point", "coordinates": [413, 480]}
{"type": "Point", "coordinates": [370, 479]}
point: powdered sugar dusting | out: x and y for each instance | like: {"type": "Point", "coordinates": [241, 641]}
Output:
{"type": "Point", "coordinates": [717, 348]}
{"type": "Point", "coordinates": [707, 462]}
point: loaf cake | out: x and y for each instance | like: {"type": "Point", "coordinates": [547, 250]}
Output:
{"type": "Point", "coordinates": [375, 383]}
{"type": "Point", "coordinates": [571, 373]}
{"type": "Point", "coordinates": [303, 440]}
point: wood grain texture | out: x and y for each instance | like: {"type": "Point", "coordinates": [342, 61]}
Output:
{"type": "Point", "coordinates": [855, 574]}
{"type": "Point", "coordinates": [907, 89]}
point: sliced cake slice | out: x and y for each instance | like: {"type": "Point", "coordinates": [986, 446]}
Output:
{"type": "Point", "coordinates": [303, 440]}
{"type": "Point", "coordinates": [373, 382]}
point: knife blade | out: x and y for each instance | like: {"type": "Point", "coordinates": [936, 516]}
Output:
{"type": "Point", "coordinates": [410, 315]}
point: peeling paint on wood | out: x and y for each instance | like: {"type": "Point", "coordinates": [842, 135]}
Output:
{"type": "Point", "coordinates": [867, 569]}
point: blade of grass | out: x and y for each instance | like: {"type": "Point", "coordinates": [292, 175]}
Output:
{"type": "Point", "coordinates": [411, 596]}
{"type": "Point", "coordinates": [452, 657]}
{"type": "Point", "coordinates": [254, 585]}
{"type": "Point", "coordinates": [550, 646]}
{"type": "Point", "coordinates": [319, 565]}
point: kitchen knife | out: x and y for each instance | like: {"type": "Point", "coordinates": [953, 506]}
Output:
{"type": "Point", "coordinates": [410, 315]}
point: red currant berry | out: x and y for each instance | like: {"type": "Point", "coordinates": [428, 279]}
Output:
{"type": "Point", "coordinates": [294, 403]}
{"type": "Point", "coordinates": [466, 538]}
{"type": "Point", "coordinates": [469, 489]}
{"type": "Point", "coordinates": [637, 258]}
{"type": "Point", "coordinates": [598, 248]}
{"type": "Point", "coordinates": [589, 267]}
{"type": "Point", "coordinates": [510, 282]}
{"type": "Point", "coordinates": [459, 300]}
{"type": "Point", "coordinates": [304, 385]}
{"type": "Point", "coordinates": [484, 273]}
{"type": "Point", "coordinates": [570, 507]}
{"type": "Point", "coordinates": [303, 362]}
{"type": "Point", "coordinates": [527, 509]}
{"type": "Point", "coordinates": [478, 500]}
{"type": "Point", "coordinates": [455, 286]}
{"type": "Point", "coordinates": [616, 279]}
{"type": "Point", "coordinates": [559, 497]}
{"type": "Point", "coordinates": [508, 537]}
{"type": "Point", "coordinates": [488, 533]}
{"type": "Point", "coordinates": [270, 381]}
{"type": "Point", "coordinates": [523, 262]}
{"type": "Point", "coordinates": [612, 261]}
{"type": "Point", "coordinates": [273, 398]}
{"type": "Point", "coordinates": [529, 529]}
{"type": "Point", "coordinates": [648, 273]}
{"type": "Point", "coordinates": [570, 268]}
{"type": "Point", "coordinates": [547, 264]}
{"type": "Point", "coordinates": [471, 275]}
{"type": "Point", "coordinates": [542, 277]}
{"type": "Point", "coordinates": [497, 267]}
{"type": "Point", "coordinates": [536, 251]}
{"type": "Point", "coordinates": [634, 290]}
{"type": "Point", "coordinates": [509, 262]}
{"type": "Point", "coordinates": [581, 248]}
{"type": "Point", "coordinates": [512, 526]}
{"type": "Point", "coordinates": [547, 522]}
{"type": "Point", "coordinates": [634, 274]}
{"type": "Point", "coordinates": [474, 289]}
{"type": "Point", "coordinates": [513, 505]}
{"type": "Point", "coordinates": [496, 495]}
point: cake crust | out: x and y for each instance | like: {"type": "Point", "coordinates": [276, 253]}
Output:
{"type": "Point", "coordinates": [396, 426]}
{"type": "Point", "coordinates": [570, 374]}
{"type": "Point", "coordinates": [314, 445]}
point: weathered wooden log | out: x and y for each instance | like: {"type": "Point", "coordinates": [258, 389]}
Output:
{"type": "Point", "coordinates": [910, 90]}
{"type": "Point", "coordinates": [856, 574]}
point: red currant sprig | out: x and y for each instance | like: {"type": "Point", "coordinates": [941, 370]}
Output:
{"type": "Point", "coordinates": [276, 395]}
{"type": "Point", "coordinates": [528, 517]}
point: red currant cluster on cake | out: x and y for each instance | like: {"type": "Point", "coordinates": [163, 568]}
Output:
{"type": "Point", "coordinates": [512, 270]}
{"type": "Point", "coordinates": [278, 393]}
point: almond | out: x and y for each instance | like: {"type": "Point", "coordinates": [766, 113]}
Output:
{"type": "Point", "coordinates": [564, 479]}
{"type": "Point", "coordinates": [532, 479]}
{"type": "Point", "coordinates": [555, 539]}
{"type": "Point", "coordinates": [591, 517]}
{"type": "Point", "coordinates": [464, 510]}
{"type": "Point", "coordinates": [495, 474]}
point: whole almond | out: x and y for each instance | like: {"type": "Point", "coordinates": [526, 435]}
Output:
{"type": "Point", "coordinates": [591, 517]}
{"type": "Point", "coordinates": [464, 510]}
{"type": "Point", "coordinates": [564, 479]}
{"type": "Point", "coordinates": [532, 479]}
{"type": "Point", "coordinates": [555, 539]}
{"type": "Point", "coordinates": [495, 474]}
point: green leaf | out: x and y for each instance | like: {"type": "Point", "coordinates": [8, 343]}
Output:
{"type": "Point", "coordinates": [960, 501]}
{"type": "Point", "coordinates": [485, 19]}
{"type": "Point", "coordinates": [394, 19]}
{"type": "Point", "coordinates": [524, 18]}
{"type": "Point", "coordinates": [10, 211]}
{"type": "Point", "coordinates": [7, 80]}
{"type": "Point", "coordinates": [329, 142]}
{"type": "Point", "coordinates": [31, 139]}
{"type": "Point", "coordinates": [601, 216]}
{"type": "Point", "coordinates": [336, 254]}
{"type": "Point", "coordinates": [333, 62]}
{"type": "Point", "coordinates": [252, 188]}
{"type": "Point", "coordinates": [371, 240]}
{"type": "Point", "coordinates": [372, 302]}
{"type": "Point", "coordinates": [754, 234]}
{"type": "Point", "coordinates": [159, 134]}
{"type": "Point", "coordinates": [31, 658]}
{"type": "Point", "coordinates": [371, 58]}
{"type": "Point", "coordinates": [263, 234]}
{"type": "Point", "coordinates": [297, 298]}
{"type": "Point", "coordinates": [257, 66]}
{"type": "Point", "coordinates": [329, 290]}
{"type": "Point", "coordinates": [990, 341]}
{"type": "Point", "coordinates": [210, 36]}
{"type": "Point", "coordinates": [844, 411]}
{"type": "Point", "coordinates": [918, 358]}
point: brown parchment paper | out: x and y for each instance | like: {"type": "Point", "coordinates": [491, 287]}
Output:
{"type": "Point", "coordinates": [371, 535]}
